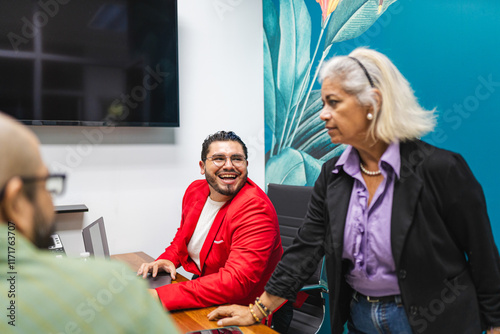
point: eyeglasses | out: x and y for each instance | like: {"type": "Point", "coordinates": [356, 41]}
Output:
{"type": "Point", "coordinates": [54, 183]}
{"type": "Point", "coordinates": [220, 160]}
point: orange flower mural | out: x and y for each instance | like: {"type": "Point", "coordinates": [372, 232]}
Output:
{"type": "Point", "coordinates": [327, 7]}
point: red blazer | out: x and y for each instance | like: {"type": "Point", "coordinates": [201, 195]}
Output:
{"type": "Point", "coordinates": [239, 255]}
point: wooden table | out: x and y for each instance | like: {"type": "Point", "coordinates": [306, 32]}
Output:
{"type": "Point", "coordinates": [187, 320]}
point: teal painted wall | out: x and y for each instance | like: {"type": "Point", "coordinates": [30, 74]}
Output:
{"type": "Point", "coordinates": [450, 53]}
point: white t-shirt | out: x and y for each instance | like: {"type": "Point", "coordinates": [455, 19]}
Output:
{"type": "Point", "coordinates": [204, 224]}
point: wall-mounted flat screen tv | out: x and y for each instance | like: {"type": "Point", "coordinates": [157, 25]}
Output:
{"type": "Point", "coordinates": [90, 62]}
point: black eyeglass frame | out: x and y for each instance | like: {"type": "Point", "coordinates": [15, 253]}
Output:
{"type": "Point", "coordinates": [28, 179]}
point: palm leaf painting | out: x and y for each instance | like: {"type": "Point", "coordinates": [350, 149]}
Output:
{"type": "Point", "coordinates": [297, 144]}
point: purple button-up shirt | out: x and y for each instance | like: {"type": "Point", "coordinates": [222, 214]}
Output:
{"type": "Point", "coordinates": [367, 235]}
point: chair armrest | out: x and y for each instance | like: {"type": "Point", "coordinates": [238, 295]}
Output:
{"type": "Point", "coordinates": [322, 280]}
{"type": "Point", "coordinates": [319, 286]}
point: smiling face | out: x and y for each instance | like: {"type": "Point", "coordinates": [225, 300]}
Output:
{"type": "Point", "coordinates": [345, 119]}
{"type": "Point", "coordinates": [225, 181]}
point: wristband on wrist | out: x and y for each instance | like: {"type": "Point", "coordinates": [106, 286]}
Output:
{"type": "Point", "coordinates": [253, 313]}
{"type": "Point", "coordinates": [261, 310]}
{"type": "Point", "coordinates": [265, 311]}
{"type": "Point", "coordinates": [494, 329]}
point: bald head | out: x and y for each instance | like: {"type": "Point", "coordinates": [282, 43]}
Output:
{"type": "Point", "coordinates": [29, 208]}
{"type": "Point", "coordinates": [19, 153]}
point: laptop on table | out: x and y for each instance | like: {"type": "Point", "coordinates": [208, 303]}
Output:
{"type": "Point", "coordinates": [96, 243]}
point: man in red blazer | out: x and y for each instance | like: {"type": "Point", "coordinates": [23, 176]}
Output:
{"type": "Point", "coordinates": [229, 234]}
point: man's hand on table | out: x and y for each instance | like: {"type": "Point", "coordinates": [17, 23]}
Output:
{"type": "Point", "coordinates": [153, 267]}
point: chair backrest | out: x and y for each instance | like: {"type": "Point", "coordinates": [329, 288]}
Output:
{"type": "Point", "coordinates": [291, 203]}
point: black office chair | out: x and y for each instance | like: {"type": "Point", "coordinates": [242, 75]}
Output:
{"type": "Point", "coordinates": [291, 204]}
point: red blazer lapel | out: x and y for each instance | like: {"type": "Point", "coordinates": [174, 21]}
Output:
{"type": "Point", "coordinates": [212, 233]}
{"type": "Point", "coordinates": [191, 218]}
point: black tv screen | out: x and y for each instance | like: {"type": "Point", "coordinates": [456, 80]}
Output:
{"type": "Point", "coordinates": [89, 62]}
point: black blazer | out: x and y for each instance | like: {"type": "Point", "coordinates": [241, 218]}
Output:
{"type": "Point", "coordinates": [447, 263]}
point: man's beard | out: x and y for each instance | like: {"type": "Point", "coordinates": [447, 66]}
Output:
{"type": "Point", "coordinates": [226, 191]}
{"type": "Point", "coordinates": [43, 229]}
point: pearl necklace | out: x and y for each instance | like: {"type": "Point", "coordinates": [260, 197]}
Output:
{"type": "Point", "coordinates": [367, 172]}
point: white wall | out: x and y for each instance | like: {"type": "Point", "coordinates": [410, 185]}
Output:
{"type": "Point", "coordinates": [135, 177]}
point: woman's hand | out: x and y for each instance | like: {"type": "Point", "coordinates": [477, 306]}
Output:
{"type": "Point", "coordinates": [164, 265]}
{"type": "Point", "coordinates": [232, 315]}
{"type": "Point", "coordinates": [237, 315]}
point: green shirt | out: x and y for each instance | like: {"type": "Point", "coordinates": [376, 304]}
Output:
{"type": "Point", "coordinates": [44, 294]}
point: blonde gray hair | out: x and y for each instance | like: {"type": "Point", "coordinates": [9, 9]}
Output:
{"type": "Point", "coordinates": [400, 116]}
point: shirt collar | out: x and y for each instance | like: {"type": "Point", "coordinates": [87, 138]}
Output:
{"type": "Point", "coordinates": [392, 157]}
{"type": "Point", "coordinates": [349, 160]}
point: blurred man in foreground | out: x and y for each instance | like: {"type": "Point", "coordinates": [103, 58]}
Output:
{"type": "Point", "coordinates": [44, 294]}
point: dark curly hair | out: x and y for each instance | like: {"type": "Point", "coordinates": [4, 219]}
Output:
{"type": "Point", "coordinates": [221, 136]}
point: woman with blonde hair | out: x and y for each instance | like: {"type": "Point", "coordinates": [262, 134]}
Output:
{"type": "Point", "coordinates": [402, 224]}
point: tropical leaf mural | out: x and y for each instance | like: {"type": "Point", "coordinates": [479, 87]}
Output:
{"type": "Point", "coordinates": [297, 142]}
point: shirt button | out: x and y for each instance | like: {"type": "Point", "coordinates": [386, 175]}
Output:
{"type": "Point", "coordinates": [402, 274]}
{"type": "Point", "coordinates": [413, 310]}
